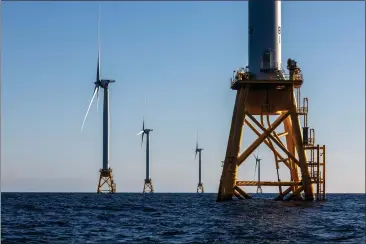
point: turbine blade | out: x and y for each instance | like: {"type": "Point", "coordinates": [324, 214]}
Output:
{"type": "Point", "coordinates": [143, 123]}
{"type": "Point", "coordinates": [98, 68]}
{"type": "Point", "coordinates": [193, 153]}
{"type": "Point", "coordinates": [197, 141]}
{"type": "Point", "coordinates": [140, 133]}
{"type": "Point", "coordinates": [91, 101]}
{"type": "Point", "coordinates": [97, 99]}
{"type": "Point", "coordinates": [98, 62]}
{"type": "Point", "coordinates": [142, 139]}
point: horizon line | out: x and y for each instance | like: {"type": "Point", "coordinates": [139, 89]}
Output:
{"type": "Point", "coordinates": [134, 192]}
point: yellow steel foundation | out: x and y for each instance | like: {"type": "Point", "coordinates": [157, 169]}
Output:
{"type": "Point", "coordinates": [266, 98]}
{"type": "Point", "coordinates": [106, 178]}
{"type": "Point", "coordinates": [200, 188]}
{"type": "Point", "coordinates": [148, 186]}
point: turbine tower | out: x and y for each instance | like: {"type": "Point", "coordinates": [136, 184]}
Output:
{"type": "Point", "coordinates": [106, 176]}
{"type": "Point", "coordinates": [148, 186]}
{"type": "Point", "coordinates": [198, 150]}
{"type": "Point", "coordinates": [258, 163]}
{"type": "Point", "coordinates": [263, 89]}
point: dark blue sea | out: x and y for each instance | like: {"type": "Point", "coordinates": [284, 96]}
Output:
{"type": "Point", "coordinates": [178, 218]}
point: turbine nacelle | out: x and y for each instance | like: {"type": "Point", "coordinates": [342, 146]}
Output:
{"type": "Point", "coordinates": [257, 158]}
{"type": "Point", "coordinates": [146, 131]}
{"type": "Point", "coordinates": [143, 131]}
{"type": "Point", "coordinates": [257, 162]}
{"type": "Point", "coordinates": [103, 83]}
{"type": "Point", "coordinates": [197, 150]}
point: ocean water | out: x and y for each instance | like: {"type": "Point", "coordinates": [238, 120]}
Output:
{"type": "Point", "coordinates": [178, 218]}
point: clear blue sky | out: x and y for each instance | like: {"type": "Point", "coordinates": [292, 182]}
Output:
{"type": "Point", "coordinates": [182, 54]}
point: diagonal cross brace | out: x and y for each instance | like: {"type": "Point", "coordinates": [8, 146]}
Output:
{"type": "Point", "coordinates": [274, 139]}
{"type": "Point", "coordinates": [262, 137]}
{"type": "Point", "coordinates": [104, 181]}
{"type": "Point", "coordinates": [268, 144]}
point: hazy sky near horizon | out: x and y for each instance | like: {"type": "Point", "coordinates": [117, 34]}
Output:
{"type": "Point", "coordinates": [182, 54]}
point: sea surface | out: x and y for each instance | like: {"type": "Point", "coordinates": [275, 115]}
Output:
{"type": "Point", "coordinates": [178, 218]}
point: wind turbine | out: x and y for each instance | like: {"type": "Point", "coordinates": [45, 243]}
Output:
{"type": "Point", "coordinates": [148, 186]}
{"type": "Point", "coordinates": [105, 172]}
{"type": "Point", "coordinates": [258, 163]}
{"type": "Point", "coordinates": [198, 150]}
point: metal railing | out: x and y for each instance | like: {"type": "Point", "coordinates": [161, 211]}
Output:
{"type": "Point", "coordinates": [240, 74]}
{"type": "Point", "coordinates": [232, 82]}
{"type": "Point", "coordinates": [302, 110]}
{"type": "Point", "coordinates": [297, 76]}
{"type": "Point", "coordinates": [310, 141]}
{"type": "Point", "coordinates": [280, 73]}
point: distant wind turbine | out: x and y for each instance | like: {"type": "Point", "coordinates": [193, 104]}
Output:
{"type": "Point", "coordinates": [198, 150]}
{"type": "Point", "coordinates": [106, 172]}
{"type": "Point", "coordinates": [258, 163]}
{"type": "Point", "coordinates": [148, 186]}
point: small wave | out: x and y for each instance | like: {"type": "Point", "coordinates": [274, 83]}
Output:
{"type": "Point", "coordinates": [178, 218]}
